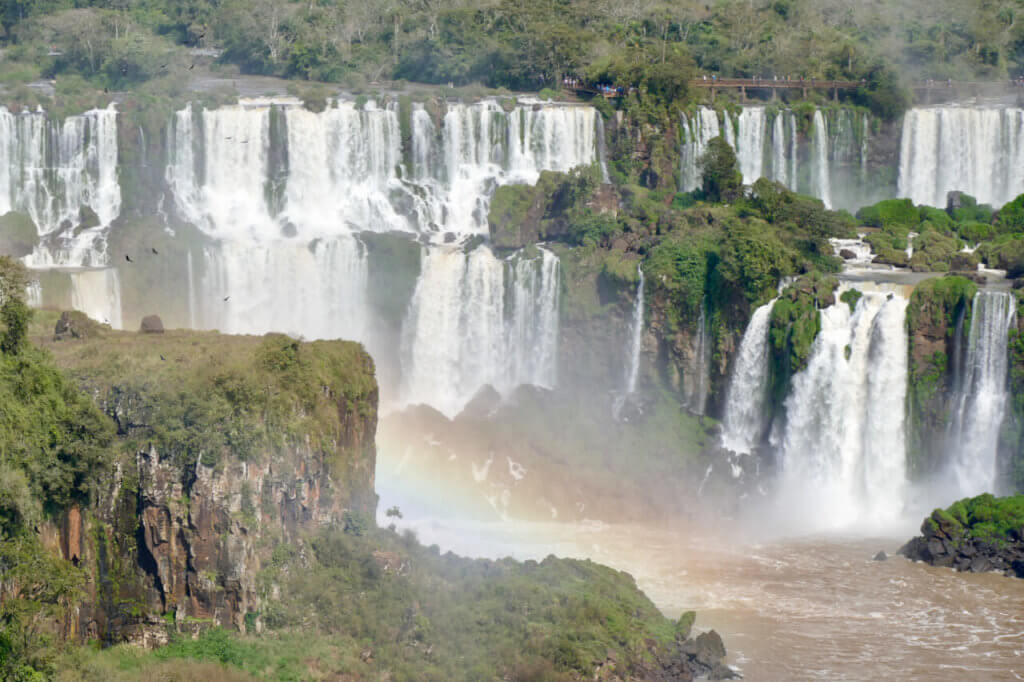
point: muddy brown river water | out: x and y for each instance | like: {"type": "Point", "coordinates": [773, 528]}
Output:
{"type": "Point", "coordinates": [814, 608]}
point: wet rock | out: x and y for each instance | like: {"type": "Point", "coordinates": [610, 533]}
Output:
{"type": "Point", "coordinates": [954, 200]}
{"type": "Point", "coordinates": [847, 254]}
{"type": "Point", "coordinates": [152, 324]}
{"type": "Point", "coordinates": [710, 648]}
{"type": "Point", "coordinates": [881, 556]}
{"type": "Point", "coordinates": [484, 404]}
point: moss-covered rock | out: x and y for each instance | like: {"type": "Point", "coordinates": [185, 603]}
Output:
{"type": "Point", "coordinates": [890, 213]}
{"type": "Point", "coordinates": [979, 534]}
{"type": "Point", "coordinates": [795, 323]}
{"type": "Point", "coordinates": [938, 319]}
{"type": "Point", "coordinates": [1005, 252]}
{"type": "Point", "coordinates": [18, 235]}
{"type": "Point", "coordinates": [933, 250]}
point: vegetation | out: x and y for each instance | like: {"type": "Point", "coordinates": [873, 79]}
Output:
{"type": "Point", "coordinates": [985, 517]}
{"type": "Point", "coordinates": [653, 47]}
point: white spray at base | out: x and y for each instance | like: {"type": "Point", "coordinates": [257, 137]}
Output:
{"type": "Point", "coordinates": [981, 405]}
{"type": "Point", "coordinates": [842, 451]}
{"type": "Point", "coordinates": [745, 407]}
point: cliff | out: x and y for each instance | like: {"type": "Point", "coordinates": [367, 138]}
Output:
{"type": "Point", "coordinates": [224, 447]}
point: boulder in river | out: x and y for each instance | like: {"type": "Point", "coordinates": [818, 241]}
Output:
{"type": "Point", "coordinates": [881, 556]}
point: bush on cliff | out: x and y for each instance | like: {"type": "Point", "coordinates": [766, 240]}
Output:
{"type": "Point", "coordinates": [720, 172]}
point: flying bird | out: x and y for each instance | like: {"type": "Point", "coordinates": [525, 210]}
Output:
{"type": "Point", "coordinates": [227, 297]}
{"type": "Point", "coordinates": [163, 358]}
{"type": "Point", "coordinates": [155, 252]}
{"type": "Point", "coordinates": [191, 67]}
{"type": "Point", "coordinates": [128, 258]}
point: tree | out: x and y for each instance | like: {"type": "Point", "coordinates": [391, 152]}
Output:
{"type": "Point", "coordinates": [721, 179]}
{"type": "Point", "coordinates": [14, 315]}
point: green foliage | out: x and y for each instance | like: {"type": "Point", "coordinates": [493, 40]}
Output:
{"type": "Point", "coordinates": [1010, 217]}
{"type": "Point", "coordinates": [795, 323]}
{"type": "Point", "coordinates": [850, 298]}
{"type": "Point", "coordinates": [18, 235]}
{"type": "Point", "coordinates": [721, 179]}
{"type": "Point", "coordinates": [14, 314]}
{"type": "Point", "coordinates": [1005, 252]}
{"type": "Point", "coordinates": [987, 517]}
{"type": "Point", "coordinates": [971, 211]}
{"type": "Point", "coordinates": [890, 213]}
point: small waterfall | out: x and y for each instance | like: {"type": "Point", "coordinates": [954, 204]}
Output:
{"type": "Point", "coordinates": [750, 138]}
{"type": "Point", "coordinates": [744, 420]}
{"type": "Point", "coordinates": [97, 293]}
{"type": "Point", "coordinates": [702, 364]}
{"type": "Point", "coordinates": [780, 165]}
{"type": "Point", "coordinates": [842, 449]}
{"type": "Point", "coordinates": [601, 157]}
{"type": "Point", "coordinates": [822, 183]}
{"type": "Point", "coordinates": [981, 393]}
{"type": "Point", "coordinates": [636, 335]}
{"type": "Point", "coordinates": [699, 131]}
{"type": "Point", "coordinates": [457, 336]}
{"type": "Point", "coordinates": [978, 150]}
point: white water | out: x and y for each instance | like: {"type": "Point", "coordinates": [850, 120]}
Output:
{"type": "Point", "coordinates": [981, 405]}
{"type": "Point", "coordinates": [834, 154]}
{"type": "Point", "coordinates": [702, 364]}
{"type": "Point", "coordinates": [457, 337]}
{"type": "Point", "coordinates": [842, 451]}
{"type": "Point", "coordinates": [822, 182]}
{"type": "Point", "coordinates": [636, 335]}
{"type": "Point", "coordinates": [97, 293]}
{"type": "Point", "coordinates": [286, 192]}
{"type": "Point", "coordinates": [978, 150]}
{"type": "Point", "coordinates": [744, 419]}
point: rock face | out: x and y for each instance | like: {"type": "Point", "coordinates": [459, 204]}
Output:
{"type": "Point", "coordinates": [946, 541]}
{"type": "Point", "coordinates": [178, 535]}
{"type": "Point", "coordinates": [75, 325]}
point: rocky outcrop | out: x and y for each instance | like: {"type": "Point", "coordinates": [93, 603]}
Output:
{"type": "Point", "coordinates": [938, 320]}
{"type": "Point", "coordinates": [977, 535]}
{"type": "Point", "coordinates": [178, 535]}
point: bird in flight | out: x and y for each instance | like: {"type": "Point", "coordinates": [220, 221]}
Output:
{"type": "Point", "coordinates": [163, 358]}
{"type": "Point", "coordinates": [227, 297]}
{"type": "Point", "coordinates": [128, 258]}
{"type": "Point", "coordinates": [155, 252]}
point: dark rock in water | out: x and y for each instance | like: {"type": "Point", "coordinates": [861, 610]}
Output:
{"type": "Point", "coordinates": [152, 324]}
{"type": "Point", "coordinates": [1018, 283]}
{"type": "Point", "coordinates": [710, 648]}
{"type": "Point", "coordinates": [289, 229]}
{"type": "Point", "coordinates": [958, 538]}
{"type": "Point", "coordinates": [847, 254]}
{"type": "Point", "coordinates": [881, 556]}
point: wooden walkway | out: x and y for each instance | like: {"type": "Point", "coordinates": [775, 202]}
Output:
{"type": "Point", "coordinates": [746, 86]}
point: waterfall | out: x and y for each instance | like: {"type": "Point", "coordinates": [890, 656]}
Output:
{"type": "Point", "coordinates": [744, 419]}
{"type": "Point", "coordinates": [981, 393]}
{"type": "Point", "coordinates": [52, 171]}
{"type": "Point", "coordinates": [842, 449]}
{"type": "Point", "coordinates": [750, 148]}
{"type": "Point", "coordinates": [636, 335]}
{"type": "Point", "coordinates": [822, 183]}
{"type": "Point", "coordinates": [767, 144]}
{"type": "Point", "coordinates": [601, 156]}
{"type": "Point", "coordinates": [97, 293]}
{"type": "Point", "coordinates": [978, 150]}
{"type": "Point", "coordinates": [699, 131]}
{"type": "Point", "coordinates": [284, 194]}
{"type": "Point", "coordinates": [458, 336]}
{"type": "Point", "coordinates": [698, 398]}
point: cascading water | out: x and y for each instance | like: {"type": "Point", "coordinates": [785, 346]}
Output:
{"type": "Point", "coordinates": [980, 403]}
{"type": "Point", "coordinates": [822, 181]}
{"type": "Point", "coordinates": [64, 177]}
{"type": "Point", "coordinates": [636, 335]}
{"type": "Point", "coordinates": [698, 398]}
{"type": "Point", "coordinates": [833, 155]}
{"type": "Point", "coordinates": [842, 450]}
{"type": "Point", "coordinates": [601, 155]}
{"type": "Point", "coordinates": [458, 336]}
{"type": "Point", "coordinates": [744, 419]}
{"type": "Point", "coordinates": [976, 150]}
{"type": "Point", "coordinates": [292, 259]}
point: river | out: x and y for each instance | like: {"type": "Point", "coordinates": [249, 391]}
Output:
{"type": "Point", "coordinates": [805, 608]}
